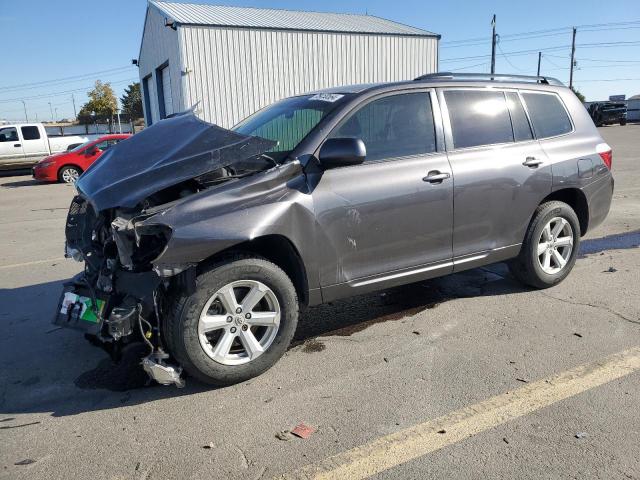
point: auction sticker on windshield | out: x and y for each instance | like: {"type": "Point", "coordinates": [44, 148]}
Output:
{"type": "Point", "coordinates": [327, 97]}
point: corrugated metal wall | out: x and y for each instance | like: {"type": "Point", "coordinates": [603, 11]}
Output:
{"type": "Point", "coordinates": [234, 72]}
{"type": "Point", "coordinates": [159, 45]}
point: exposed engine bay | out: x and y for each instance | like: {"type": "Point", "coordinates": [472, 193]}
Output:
{"type": "Point", "coordinates": [122, 297]}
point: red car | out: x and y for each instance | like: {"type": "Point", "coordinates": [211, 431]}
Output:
{"type": "Point", "coordinates": [68, 166]}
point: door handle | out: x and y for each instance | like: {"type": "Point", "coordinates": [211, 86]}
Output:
{"type": "Point", "coordinates": [532, 162]}
{"type": "Point", "coordinates": [16, 145]}
{"type": "Point", "coordinates": [435, 176]}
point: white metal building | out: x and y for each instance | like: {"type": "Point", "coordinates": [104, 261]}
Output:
{"type": "Point", "coordinates": [232, 61]}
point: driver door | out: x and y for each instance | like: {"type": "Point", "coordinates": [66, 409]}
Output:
{"type": "Point", "coordinates": [389, 220]}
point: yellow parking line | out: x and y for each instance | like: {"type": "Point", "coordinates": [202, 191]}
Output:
{"type": "Point", "coordinates": [406, 445]}
{"type": "Point", "coordinates": [35, 262]}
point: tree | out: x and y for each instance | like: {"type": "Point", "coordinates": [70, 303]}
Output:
{"type": "Point", "coordinates": [102, 101]}
{"type": "Point", "coordinates": [132, 101]}
{"type": "Point", "coordinates": [579, 95]}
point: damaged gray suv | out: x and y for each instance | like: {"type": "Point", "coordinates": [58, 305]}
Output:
{"type": "Point", "coordinates": [205, 243]}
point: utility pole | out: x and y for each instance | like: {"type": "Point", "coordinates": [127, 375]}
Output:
{"type": "Point", "coordinates": [493, 45]}
{"type": "Point", "coordinates": [573, 55]}
{"type": "Point", "coordinates": [539, 59]}
{"type": "Point", "coordinates": [56, 117]}
{"type": "Point", "coordinates": [73, 100]}
{"type": "Point", "coordinates": [26, 118]}
{"type": "Point", "coordinates": [51, 110]}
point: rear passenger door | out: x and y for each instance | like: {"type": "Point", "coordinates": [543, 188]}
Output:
{"type": "Point", "coordinates": [500, 172]}
{"type": "Point", "coordinates": [391, 213]}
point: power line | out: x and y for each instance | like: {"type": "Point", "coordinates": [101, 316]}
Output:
{"type": "Point", "coordinates": [608, 44]}
{"type": "Point", "coordinates": [606, 60]}
{"type": "Point", "coordinates": [44, 82]}
{"type": "Point", "coordinates": [469, 66]}
{"type": "Point", "coordinates": [66, 92]}
{"type": "Point", "coordinates": [56, 84]}
{"type": "Point", "coordinates": [507, 59]}
{"type": "Point", "coordinates": [536, 50]}
{"type": "Point", "coordinates": [513, 54]}
{"type": "Point", "coordinates": [559, 30]}
{"type": "Point", "coordinates": [610, 80]}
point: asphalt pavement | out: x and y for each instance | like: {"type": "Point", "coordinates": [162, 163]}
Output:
{"type": "Point", "coordinates": [467, 376]}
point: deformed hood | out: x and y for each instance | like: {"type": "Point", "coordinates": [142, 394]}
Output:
{"type": "Point", "coordinates": [167, 153]}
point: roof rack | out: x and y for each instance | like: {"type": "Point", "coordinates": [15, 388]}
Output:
{"type": "Point", "coordinates": [494, 77]}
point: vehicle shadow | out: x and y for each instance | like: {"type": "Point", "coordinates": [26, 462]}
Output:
{"type": "Point", "coordinates": [51, 370]}
{"type": "Point", "coordinates": [24, 183]}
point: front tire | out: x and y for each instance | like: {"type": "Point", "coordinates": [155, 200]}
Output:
{"type": "Point", "coordinates": [237, 324]}
{"type": "Point", "coordinates": [550, 247]}
{"type": "Point", "coordinates": [69, 174]}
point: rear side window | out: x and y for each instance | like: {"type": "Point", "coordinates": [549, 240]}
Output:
{"type": "Point", "coordinates": [521, 127]}
{"type": "Point", "coordinates": [394, 126]}
{"type": "Point", "coordinates": [478, 118]}
{"type": "Point", "coordinates": [30, 133]}
{"type": "Point", "coordinates": [547, 114]}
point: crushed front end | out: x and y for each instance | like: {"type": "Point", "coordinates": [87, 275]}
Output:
{"type": "Point", "coordinates": [115, 226]}
{"type": "Point", "coordinates": [118, 299]}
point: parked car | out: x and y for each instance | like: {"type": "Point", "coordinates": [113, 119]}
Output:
{"type": "Point", "coordinates": [608, 113]}
{"type": "Point", "coordinates": [24, 144]}
{"type": "Point", "coordinates": [205, 243]}
{"type": "Point", "coordinates": [72, 146]}
{"type": "Point", "coordinates": [68, 166]}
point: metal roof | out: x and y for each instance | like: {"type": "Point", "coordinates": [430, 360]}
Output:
{"type": "Point", "coordinates": [226, 16]}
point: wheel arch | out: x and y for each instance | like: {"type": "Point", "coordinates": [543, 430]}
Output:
{"type": "Point", "coordinates": [279, 250]}
{"type": "Point", "coordinates": [80, 169]}
{"type": "Point", "coordinates": [577, 200]}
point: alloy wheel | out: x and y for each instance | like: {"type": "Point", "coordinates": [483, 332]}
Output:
{"type": "Point", "coordinates": [555, 245]}
{"type": "Point", "coordinates": [239, 322]}
{"type": "Point", "coordinates": [70, 175]}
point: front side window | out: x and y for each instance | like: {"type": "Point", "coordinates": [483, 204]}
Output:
{"type": "Point", "coordinates": [289, 121]}
{"type": "Point", "coordinates": [8, 134]}
{"type": "Point", "coordinates": [478, 118]}
{"type": "Point", "coordinates": [393, 126]}
{"type": "Point", "coordinates": [547, 114]}
{"type": "Point", "coordinates": [30, 133]}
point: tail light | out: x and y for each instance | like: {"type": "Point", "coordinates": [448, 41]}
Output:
{"type": "Point", "coordinates": [605, 153]}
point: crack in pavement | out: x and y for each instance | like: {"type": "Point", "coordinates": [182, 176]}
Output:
{"type": "Point", "coordinates": [244, 456]}
{"type": "Point", "coordinates": [587, 304]}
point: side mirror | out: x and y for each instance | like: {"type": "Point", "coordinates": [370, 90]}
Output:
{"type": "Point", "coordinates": [341, 152]}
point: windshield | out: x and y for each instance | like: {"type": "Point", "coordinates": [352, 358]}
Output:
{"type": "Point", "coordinates": [289, 121]}
{"type": "Point", "coordinates": [81, 146]}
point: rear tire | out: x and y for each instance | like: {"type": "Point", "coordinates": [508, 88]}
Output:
{"type": "Point", "coordinates": [550, 247]}
{"type": "Point", "coordinates": [69, 174]}
{"type": "Point", "coordinates": [219, 351]}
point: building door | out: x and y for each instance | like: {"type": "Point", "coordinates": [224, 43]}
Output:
{"type": "Point", "coordinates": [166, 91]}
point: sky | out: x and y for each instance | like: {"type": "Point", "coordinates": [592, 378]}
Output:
{"type": "Point", "coordinates": [53, 50]}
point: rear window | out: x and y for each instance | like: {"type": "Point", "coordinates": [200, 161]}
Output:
{"type": "Point", "coordinates": [478, 118]}
{"type": "Point", "coordinates": [547, 114]}
{"type": "Point", "coordinates": [30, 133]}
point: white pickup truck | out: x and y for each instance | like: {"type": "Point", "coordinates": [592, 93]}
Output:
{"type": "Point", "coordinates": [24, 144]}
